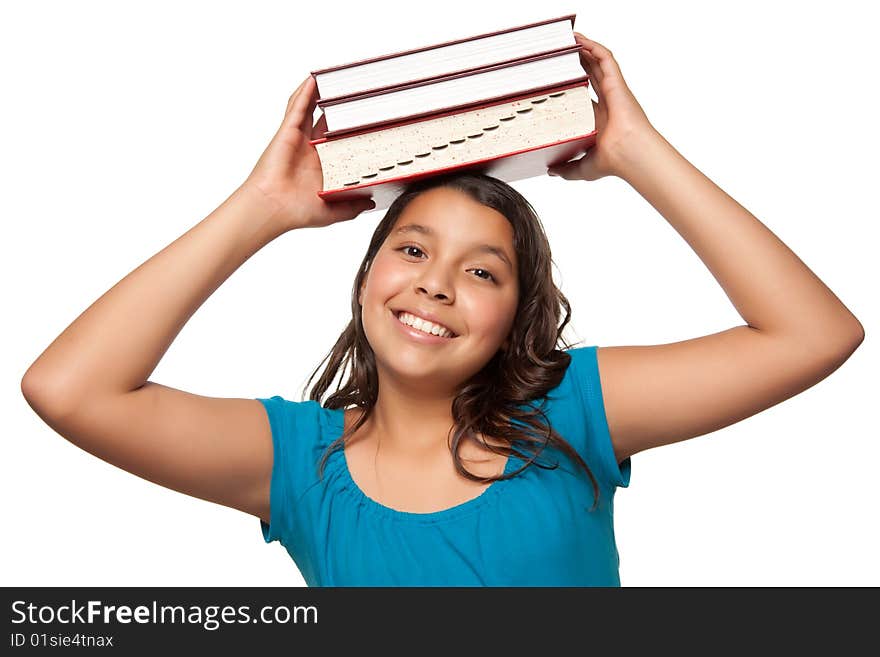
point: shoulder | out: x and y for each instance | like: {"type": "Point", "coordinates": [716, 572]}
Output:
{"type": "Point", "coordinates": [290, 415]}
{"type": "Point", "coordinates": [581, 372]}
{"type": "Point", "coordinates": [301, 430]}
{"type": "Point", "coordinates": [583, 414]}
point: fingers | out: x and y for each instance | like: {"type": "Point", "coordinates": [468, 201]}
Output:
{"type": "Point", "coordinates": [298, 103]}
{"type": "Point", "coordinates": [311, 100]}
{"type": "Point", "coordinates": [595, 52]}
{"type": "Point", "coordinates": [589, 61]}
{"type": "Point", "coordinates": [291, 102]}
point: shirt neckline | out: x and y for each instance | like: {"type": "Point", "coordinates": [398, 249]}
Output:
{"type": "Point", "coordinates": [337, 422]}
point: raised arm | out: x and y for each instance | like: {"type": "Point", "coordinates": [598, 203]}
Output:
{"type": "Point", "coordinates": [797, 331]}
{"type": "Point", "coordinates": [91, 386]}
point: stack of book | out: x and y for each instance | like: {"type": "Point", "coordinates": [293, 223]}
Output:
{"type": "Point", "coordinates": [508, 103]}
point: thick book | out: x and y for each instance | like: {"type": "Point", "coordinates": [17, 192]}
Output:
{"type": "Point", "coordinates": [455, 90]}
{"type": "Point", "coordinates": [445, 58]}
{"type": "Point", "coordinates": [510, 140]}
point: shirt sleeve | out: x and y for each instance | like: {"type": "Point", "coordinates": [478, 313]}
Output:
{"type": "Point", "coordinates": [598, 447]}
{"type": "Point", "coordinates": [290, 433]}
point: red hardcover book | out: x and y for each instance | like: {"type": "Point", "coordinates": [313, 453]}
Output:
{"type": "Point", "coordinates": [544, 129]}
{"type": "Point", "coordinates": [439, 47]}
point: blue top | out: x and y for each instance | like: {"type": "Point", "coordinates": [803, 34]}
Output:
{"type": "Point", "coordinates": [532, 530]}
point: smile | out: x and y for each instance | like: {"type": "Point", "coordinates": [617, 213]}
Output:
{"type": "Point", "coordinates": [426, 332]}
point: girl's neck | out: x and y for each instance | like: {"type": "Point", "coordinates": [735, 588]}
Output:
{"type": "Point", "coordinates": [410, 426]}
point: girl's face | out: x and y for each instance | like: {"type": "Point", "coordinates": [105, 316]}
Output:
{"type": "Point", "coordinates": [453, 259]}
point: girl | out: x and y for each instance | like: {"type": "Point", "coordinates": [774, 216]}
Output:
{"type": "Point", "coordinates": [464, 447]}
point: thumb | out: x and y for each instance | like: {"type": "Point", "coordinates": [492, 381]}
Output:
{"type": "Point", "coordinates": [346, 210]}
{"type": "Point", "coordinates": [567, 170]}
{"type": "Point", "coordinates": [580, 169]}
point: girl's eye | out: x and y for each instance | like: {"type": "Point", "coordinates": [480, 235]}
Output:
{"type": "Point", "coordinates": [491, 277]}
{"type": "Point", "coordinates": [411, 247]}
{"type": "Point", "coordinates": [406, 248]}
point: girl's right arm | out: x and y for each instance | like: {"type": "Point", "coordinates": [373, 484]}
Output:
{"type": "Point", "coordinates": [90, 385]}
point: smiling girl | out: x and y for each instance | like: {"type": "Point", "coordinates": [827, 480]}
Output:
{"type": "Point", "coordinates": [464, 447]}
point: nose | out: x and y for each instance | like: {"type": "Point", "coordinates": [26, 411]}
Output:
{"type": "Point", "coordinates": [437, 295]}
{"type": "Point", "coordinates": [434, 292]}
{"type": "Point", "coordinates": [434, 283]}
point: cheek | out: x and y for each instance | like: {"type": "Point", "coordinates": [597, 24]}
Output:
{"type": "Point", "coordinates": [490, 314]}
{"type": "Point", "coordinates": [382, 280]}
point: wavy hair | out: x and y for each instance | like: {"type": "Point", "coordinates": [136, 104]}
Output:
{"type": "Point", "coordinates": [488, 404]}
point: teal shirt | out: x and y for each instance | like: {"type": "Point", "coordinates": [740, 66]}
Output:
{"type": "Point", "coordinates": [535, 529]}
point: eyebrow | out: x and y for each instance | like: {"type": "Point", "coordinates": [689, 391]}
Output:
{"type": "Point", "coordinates": [497, 251]}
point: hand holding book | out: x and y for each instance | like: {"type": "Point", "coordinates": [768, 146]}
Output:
{"type": "Point", "coordinates": [620, 120]}
{"type": "Point", "coordinates": [289, 174]}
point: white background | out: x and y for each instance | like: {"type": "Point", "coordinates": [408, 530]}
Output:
{"type": "Point", "coordinates": [123, 126]}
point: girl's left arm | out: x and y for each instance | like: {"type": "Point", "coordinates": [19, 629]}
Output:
{"type": "Point", "coordinates": [797, 331]}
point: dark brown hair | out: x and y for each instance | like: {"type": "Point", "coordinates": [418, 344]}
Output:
{"type": "Point", "coordinates": [531, 366]}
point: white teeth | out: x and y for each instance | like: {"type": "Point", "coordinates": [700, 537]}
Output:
{"type": "Point", "coordinates": [424, 326]}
